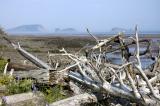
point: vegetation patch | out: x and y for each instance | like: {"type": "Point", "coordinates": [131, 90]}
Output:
{"type": "Point", "coordinates": [2, 64]}
{"type": "Point", "coordinates": [53, 94]}
{"type": "Point", "coordinates": [3, 46]}
{"type": "Point", "coordinates": [16, 86]}
{"type": "Point", "coordinates": [19, 86]}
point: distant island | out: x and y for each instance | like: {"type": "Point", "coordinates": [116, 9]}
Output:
{"type": "Point", "coordinates": [38, 29]}
{"type": "Point", "coordinates": [27, 29]}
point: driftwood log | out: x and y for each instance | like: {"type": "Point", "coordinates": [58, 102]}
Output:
{"type": "Point", "coordinates": [24, 99]}
{"type": "Point", "coordinates": [77, 100]}
{"type": "Point", "coordinates": [20, 67]}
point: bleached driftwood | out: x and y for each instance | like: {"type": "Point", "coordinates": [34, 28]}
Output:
{"type": "Point", "coordinates": [31, 58]}
{"type": "Point", "coordinates": [24, 99]}
{"type": "Point", "coordinates": [122, 86]}
{"type": "Point", "coordinates": [28, 55]}
{"type": "Point", "coordinates": [40, 75]}
{"type": "Point", "coordinates": [75, 89]}
{"type": "Point", "coordinates": [20, 67]}
{"type": "Point", "coordinates": [77, 100]}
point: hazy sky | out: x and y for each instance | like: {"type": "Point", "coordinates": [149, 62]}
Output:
{"type": "Point", "coordinates": [97, 15]}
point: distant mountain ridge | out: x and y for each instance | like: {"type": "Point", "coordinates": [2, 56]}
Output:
{"type": "Point", "coordinates": [35, 28]}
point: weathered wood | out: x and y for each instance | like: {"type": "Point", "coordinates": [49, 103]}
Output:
{"type": "Point", "coordinates": [50, 77]}
{"type": "Point", "coordinates": [76, 90]}
{"type": "Point", "coordinates": [113, 90]}
{"type": "Point", "coordinates": [57, 77]}
{"type": "Point", "coordinates": [77, 100]}
{"type": "Point", "coordinates": [39, 63]}
{"type": "Point", "coordinates": [20, 67]}
{"type": "Point", "coordinates": [24, 99]}
{"type": "Point", "coordinates": [32, 58]}
{"type": "Point", "coordinates": [41, 75]}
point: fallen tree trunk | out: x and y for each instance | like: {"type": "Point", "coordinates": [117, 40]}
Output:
{"type": "Point", "coordinates": [44, 76]}
{"type": "Point", "coordinates": [20, 67]}
{"type": "Point", "coordinates": [24, 99]}
{"type": "Point", "coordinates": [40, 75]}
{"type": "Point", "coordinates": [113, 90]}
{"type": "Point", "coordinates": [39, 63]}
{"type": "Point", "coordinates": [77, 100]}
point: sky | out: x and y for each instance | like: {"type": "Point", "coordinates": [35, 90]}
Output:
{"type": "Point", "coordinates": [97, 15]}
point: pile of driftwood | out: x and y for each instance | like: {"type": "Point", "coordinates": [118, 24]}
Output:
{"type": "Point", "coordinates": [129, 80]}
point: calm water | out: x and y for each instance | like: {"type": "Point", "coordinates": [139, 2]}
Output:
{"type": "Point", "coordinates": [145, 62]}
{"type": "Point", "coordinates": [116, 58]}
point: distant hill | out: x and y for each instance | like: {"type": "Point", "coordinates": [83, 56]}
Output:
{"type": "Point", "coordinates": [37, 29]}
{"type": "Point", "coordinates": [27, 29]}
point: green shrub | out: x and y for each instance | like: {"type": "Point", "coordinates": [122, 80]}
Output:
{"type": "Point", "coordinates": [20, 86]}
{"type": "Point", "coordinates": [2, 64]}
{"type": "Point", "coordinates": [53, 94]}
{"type": "Point", "coordinates": [5, 80]}
{"type": "Point", "coordinates": [15, 86]}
